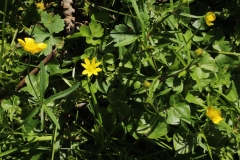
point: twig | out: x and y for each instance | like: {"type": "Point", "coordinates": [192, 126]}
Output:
{"type": "Point", "coordinates": [35, 70]}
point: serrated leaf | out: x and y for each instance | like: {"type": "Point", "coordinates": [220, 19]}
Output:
{"type": "Point", "coordinates": [84, 32]}
{"type": "Point", "coordinates": [39, 34]}
{"type": "Point", "coordinates": [96, 29]}
{"type": "Point", "coordinates": [53, 23]}
{"type": "Point", "coordinates": [90, 40]}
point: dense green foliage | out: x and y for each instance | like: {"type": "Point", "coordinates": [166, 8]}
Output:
{"type": "Point", "coordinates": [167, 86]}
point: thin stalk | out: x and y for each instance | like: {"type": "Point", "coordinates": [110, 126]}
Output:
{"type": "Point", "coordinates": [97, 112]}
{"type": "Point", "coordinates": [15, 34]}
{"type": "Point", "coordinates": [28, 71]}
{"type": "Point", "coordinates": [3, 32]}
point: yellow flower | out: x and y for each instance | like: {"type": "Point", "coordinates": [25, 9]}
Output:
{"type": "Point", "coordinates": [90, 68]}
{"type": "Point", "coordinates": [40, 5]}
{"type": "Point", "coordinates": [214, 115]}
{"type": "Point", "coordinates": [209, 18]}
{"type": "Point", "coordinates": [30, 46]}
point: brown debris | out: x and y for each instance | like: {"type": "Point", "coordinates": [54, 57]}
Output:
{"type": "Point", "coordinates": [69, 18]}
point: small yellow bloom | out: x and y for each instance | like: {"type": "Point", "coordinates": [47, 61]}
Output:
{"type": "Point", "coordinates": [91, 68]}
{"type": "Point", "coordinates": [40, 6]}
{"type": "Point", "coordinates": [214, 114]}
{"type": "Point", "coordinates": [30, 46]}
{"type": "Point", "coordinates": [209, 18]}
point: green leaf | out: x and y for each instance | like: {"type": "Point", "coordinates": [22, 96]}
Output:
{"type": "Point", "coordinates": [84, 32]}
{"type": "Point", "coordinates": [177, 111]}
{"type": "Point", "coordinates": [153, 128]}
{"type": "Point", "coordinates": [126, 42]}
{"type": "Point", "coordinates": [120, 107]}
{"type": "Point", "coordinates": [53, 23]}
{"type": "Point", "coordinates": [62, 93]}
{"type": "Point", "coordinates": [200, 24]}
{"type": "Point", "coordinates": [200, 77]}
{"type": "Point", "coordinates": [33, 113]}
{"type": "Point", "coordinates": [175, 83]}
{"type": "Point", "coordinates": [52, 116]}
{"type": "Point", "coordinates": [96, 29]}
{"type": "Point", "coordinates": [43, 79]}
{"type": "Point", "coordinates": [39, 34]}
{"type": "Point", "coordinates": [53, 68]}
{"type": "Point", "coordinates": [222, 46]}
{"type": "Point", "coordinates": [37, 83]}
{"type": "Point", "coordinates": [232, 93]}
{"type": "Point", "coordinates": [121, 33]}
{"type": "Point", "coordinates": [192, 97]}
{"type": "Point", "coordinates": [183, 144]}
{"type": "Point", "coordinates": [102, 17]}
{"type": "Point", "coordinates": [117, 94]}
{"type": "Point", "coordinates": [208, 63]}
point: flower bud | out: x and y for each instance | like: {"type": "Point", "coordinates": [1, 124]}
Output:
{"type": "Point", "coordinates": [146, 84]}
{"type": "Point", "coordinates": [199, 52]}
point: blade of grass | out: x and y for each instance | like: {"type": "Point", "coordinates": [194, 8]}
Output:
{"type": "Point", "coordinates": [51, 116]}
{"type": "Point", "coordinates": [62, 93]}
{"type": "Point", "coordinates": [42, 85]}
{"type": "Point", "coordinates": [3, 32]}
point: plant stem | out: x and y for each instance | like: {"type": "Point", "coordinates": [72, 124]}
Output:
{"type": "Point", "coordinates": [3, 32]}
{"type": "Point", "coordinates": [29, 59]}
{"type": "Point", "coordinates": [97, 113]}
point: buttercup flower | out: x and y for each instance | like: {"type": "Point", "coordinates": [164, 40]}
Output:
{"type": "Point", "coordinates": [91, 68]}
{"type": "Point", "coordinates": [40, 5]}
{"type": "Point", "coordinates": [209, 18]}
{"type": "Point", "coordinates": [30, 46]}
{"type": "Point", "coordinates": [214, 114]}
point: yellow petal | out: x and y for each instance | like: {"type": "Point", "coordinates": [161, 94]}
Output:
{"type": "Point", "coordinates": [97, 64]}
{"type": "Point", "coordinates": [29, 41]}
{"type": "Point", "coordinates": [98, 69]}
{"type": "Point", "coordinates": [21, 42]}
{"type": "Point", "coordinates": [89, 74]}
{"type": "Point", "coordinates": [42, 45]}
{"type": "Point", "coordinates": [85, 72]}
{"type": "Point", "coordinates": [216, 120]}
{"type": "Point", "coordinates": [87, 62]}
{"type": "Point", "coordinates": [84, 65]}
{"type": "Point", "coordinates": [93, 61]}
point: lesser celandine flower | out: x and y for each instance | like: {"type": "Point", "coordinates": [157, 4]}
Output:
{"type": "Point", "coordinates": [40, 6]}
{"type": "Point", "coordinates": [91, 68]}
{"type": "Point", "coordinates": [209, 18]}
{"type": "Point", "coordinates": [214, 114]}
{"type": "Point", "coordinates": [29, 45]}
